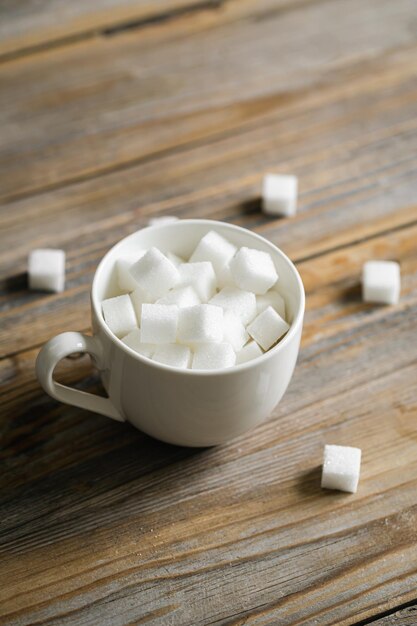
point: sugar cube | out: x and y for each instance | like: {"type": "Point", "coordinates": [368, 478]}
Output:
{"type": "Point", "coordinates": [381, 282]}
{"type": "Point", "coordinates": [46, 269]}
{"type": "Point", "coordinates": [154, 273]}
{"type": "Point", "coordinates": [234, 331]}
{"type": "Point", "coordinates": [161, 220]}
{"type": "Point", "coordinates": [279, 194]}
{"type": "Point", "coordinates": [199, 275]}
{"type": "Point", "coordinates": [241, 303]}
{"type": "Point", "coordinates": [214, 248]}
{"type": "Point", "coordinates": [202, 323]}
{"type": "Point", "coordinates": [271, 298]}
{"type": "Point", "coordinates": [248, 352]}
{"type": "Point", "coordinates": [174, 355]}
{"type": "Point", "coordinates": [119, 315]}
{"type": "Point", "coordinates": [253, 270]}
{"type": "Point", "coordinates": [124, 278]}
{"type": "Point", "coordinates": [183, 296]}
{"type": "Point", "coordinates": [225, 278]}
{"type": "Point", "coordinates": [139, 297]}
{"type": "Point", "coordinates": [341, 468]}
{"type": "Point", "coordinates": [159, 323]}
{"type": "Point", "coordinates": [267, 328]}
{"type": "Point", "coordinates": [175, 259]}
{"type": "Point", "coordinates": [213, 356]}
{"type": "Point", "coordinates": [133, 340]}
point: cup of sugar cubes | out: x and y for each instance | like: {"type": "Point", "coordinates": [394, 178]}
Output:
{"type": "Point", "coordinates": [196, 331]}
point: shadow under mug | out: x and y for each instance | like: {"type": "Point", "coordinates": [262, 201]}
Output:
{"type": "Point", "coordinates": [183, 407]}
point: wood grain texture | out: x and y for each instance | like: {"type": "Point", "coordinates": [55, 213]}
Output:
{"type": "Point", "coordinates": [102, 127]}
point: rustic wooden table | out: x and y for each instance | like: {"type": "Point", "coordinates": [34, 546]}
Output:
{"type": "Point", "coordinates": [117, 110]}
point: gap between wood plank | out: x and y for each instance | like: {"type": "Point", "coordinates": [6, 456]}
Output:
{"type": "Point", "coordinates": [378, 616]}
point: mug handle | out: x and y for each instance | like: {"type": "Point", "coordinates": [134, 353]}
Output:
{"type": "Point", "coordinates": [56, 349]}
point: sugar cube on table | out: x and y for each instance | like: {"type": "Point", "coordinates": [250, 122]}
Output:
{"type": "Point", "coordinates": [159, 323]}
{"type": "Point", "coordinates": [139, 297]}
{"type": "Point", "coordinates": [234, 331]}
{"type": "Point", "coordinates": [279, 194]}
{"type": "Point", "coordinates": [253, 270]}
{"type": "Point", "coordinates": [183, 296]}
{"type": "Point", "coordinates": [162, 219]}
{"type": "Point", "coordinates": [341, 468]}
{"type": "Point", "coordinates": [200, 276]}
{"type": "Point", "coordinates": [267, 328]}
{"type": "Point", "coordinates": [213, 356]}
{"type": "Point", "coordinates": [119, 315]}
{"type": "Point", "coordinates": [133, 340]}
{"type": "Point", "coordinates": [271, 298]}
{"type": "Point", "coordinates": [241, 303]}
{"type": "Point", "coordinates": [214, 248]}
{"type": "Point", "coordinates": [46, 270]}
{"type": "Point", "coordinates": [248, 352]}
{"type": "Point", "coordinates": [154, 273]}
{"type": "Point", "coordinates": [381, 282]}
{"type": "Point", "coordinates": [173, 354]}
{"type": "Point", "coordinates": [202, 323]}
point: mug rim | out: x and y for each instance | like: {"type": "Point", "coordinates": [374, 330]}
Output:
{"type": "Point", "coordinates": [295, 324]}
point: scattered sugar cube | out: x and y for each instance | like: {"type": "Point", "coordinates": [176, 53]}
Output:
{"type": "Point", "coordinates": [154, 273]}
{"type": "Point", "coordinates": [175, 259]}
{"type": "Point", "coordinates": [46, 269]}
{"type": "Point", "coordinates": [253, 270]}
{"type": "Point", "coordinates": [133, 341]}
{"type": "Point", "coordinates": [234, 331]}
{"type": "Point", "coordinates": [173, 354]}
{"type": "Point", "coordinates": [248, 352]}
{"type": "Point", "coordinates": [182, 297]}
{"type": "Point", "coordinates": [159, 323]}
{"type": "Point", "coordinates": [214, 248]}
{"type": "Point", "coordinates": [162, 219]}
{"type": "Point", "coordinates": [241, 303]}
{"type": "Point", "coordinates": [119, 315]}
{"type": "Point", "coordinates": [214, 356]}
{"type": "Point", "coordinates": [139, 297]}
{"type": "Point", "coordinates": [381, 282]}
{"type": "Point", "coordinates": [267, 328]}
{"type": "Point", "coordinates": [279, 194]}
{"type": "Point", "coordinates": [341, 468]}
{"type": "Point", "coordinates": [202, 323]}
{"type": "Point", "coordinates": [271, 298]}
{"type": "Point", "coordinates": [199, 275]}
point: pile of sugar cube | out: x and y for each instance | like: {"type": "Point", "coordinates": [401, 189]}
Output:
{"type": "Point", "coordinates": [219, 308]}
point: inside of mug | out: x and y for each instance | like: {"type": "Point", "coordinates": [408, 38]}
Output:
{"type": "Point", "coordinates": [181, 238]}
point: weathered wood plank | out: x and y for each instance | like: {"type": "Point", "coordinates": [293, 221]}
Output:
{"type": "Point", "coordinates": [142, 521]}
{"type": "Point", "coordinates": [404, 617]}
{"type": "Point", "coordinates": [97, 105]}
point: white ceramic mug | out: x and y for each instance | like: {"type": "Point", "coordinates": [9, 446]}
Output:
{"type": "Point", "coordinates": [184, 407]}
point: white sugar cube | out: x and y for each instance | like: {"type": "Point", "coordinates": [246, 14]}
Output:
{"type": "Point", "coordinates": [279, 194]}
{"type": "Point", "coordinates": [381, 282]}
{"type": "Point", "coordinates": [341, 468]}
{"type": "Point", "coordinates": [253, 270]}
{"type": "Point", "coordinates": [248, 352]}
{"type": "Point", "coordinates": [214, 248]}
{"type": "Point", "coordinates": [133, 340]}
{"type": "Point", "coordinates": [200, 324]}
{"type": "Point", "coordinates": [234, 331]}
{"type": "Point", "coordinates": [182, 297]}
{"type": "Point", "coordinates": [124, 278]}
{"type": "Point", "coordinates": [225, 278]}
{"type": "Point", "coordinates": [267, 328]}
{"type": "Point", "coordinates": [241, 303]}
{"type": "Point", "coordinates": [161, 220]}
{"type": "Point", "coordinates": [271, 298]}
{"type": "Point", "coordinates": [213, 356]}
{"type": "Point", "coordinates": [154, 273]}
{"type": "Point", "coordinates": [159, 323]}
{"type": "Point", "coordinates": [174, 355]}
{"type": "Point", "coordinates": [200, 276]}
{"type": "Point", "coordinates": [46, 269]}
{"type": "Point", "coordinates": [119, 315]}
{"type": "Point", "coordinates": [175, 259]}
{"type": "Point", "coordinates": [139, 297]}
